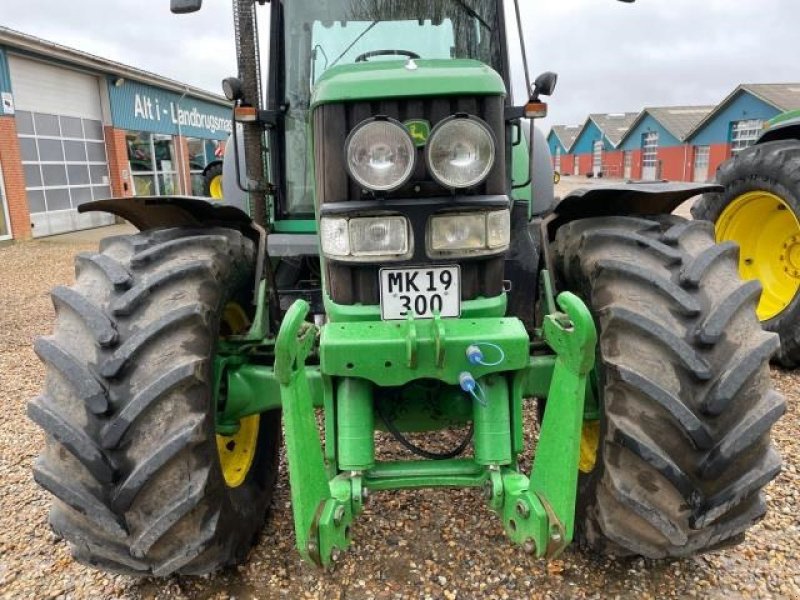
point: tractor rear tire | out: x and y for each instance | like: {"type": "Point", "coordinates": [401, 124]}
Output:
{"type": "Point", "coordinates": [686, 400]}
{"type": "Point", "coordinates": [769, 174]}
{"type": "Point", "coordinates": [131, 452]}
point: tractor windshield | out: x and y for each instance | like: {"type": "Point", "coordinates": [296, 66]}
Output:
{"type": "Point", "coordinates": [322, 35]}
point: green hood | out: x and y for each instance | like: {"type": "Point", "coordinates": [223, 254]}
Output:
{"type": "Point", "coordinates": [393, 79]}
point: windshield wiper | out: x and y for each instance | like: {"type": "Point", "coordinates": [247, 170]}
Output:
{"type": "Point", "coordinates": [471, 12]}
{"type": "Point", "coordinates": [355, 41]}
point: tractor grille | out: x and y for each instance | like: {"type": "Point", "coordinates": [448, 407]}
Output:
{"type": "Point", "coordinates": [351, 284]}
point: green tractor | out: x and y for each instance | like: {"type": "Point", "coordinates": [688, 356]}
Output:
{"type": "Point", "coordinates": [759, 210]}
{"type": "Point", "coordinates": [401, 266]}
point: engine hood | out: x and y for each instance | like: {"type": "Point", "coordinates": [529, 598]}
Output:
{"type": "Point", "coordinates": [407, 79]}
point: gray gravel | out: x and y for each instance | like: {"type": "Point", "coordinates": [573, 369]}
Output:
{"type": "Point", "coordinates": [439, 544]}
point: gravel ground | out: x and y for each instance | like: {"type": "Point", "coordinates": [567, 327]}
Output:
{"type": "Point", "coordinates": [439, 544]}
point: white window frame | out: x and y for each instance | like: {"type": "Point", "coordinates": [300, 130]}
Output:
{"type": "Point", "coordinates": [744, 134]}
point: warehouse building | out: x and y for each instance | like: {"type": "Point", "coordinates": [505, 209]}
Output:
{"type": "Point", "coordinates": [561, 139]}
{"type": "Point", "coordinates": [738, 120]}
{"type": "Point", "coordinates": [76, 127]}
{"type": "Point", "coordinates": [676, 143]}
{"type": "Point", "coordinates": [655, 146]}
{"type": "Point", "coordinates": [595, 150]}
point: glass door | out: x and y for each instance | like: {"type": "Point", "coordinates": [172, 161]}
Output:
{"type": "Point", "coordinates": [597, 158]}
{"type": "Point", "coordinates": [650, 156]}
{"type": "Point", "coordinates": [701, 161]}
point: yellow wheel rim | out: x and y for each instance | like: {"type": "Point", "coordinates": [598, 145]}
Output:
{"type": "Point", "coordinates": [236, 452]}
{"type": "Point", "coordinates": [768, 233]}
{"type": "Point", "coordinates": [215, 187]}
{"type": "Point", "coordinates": [590, 442]}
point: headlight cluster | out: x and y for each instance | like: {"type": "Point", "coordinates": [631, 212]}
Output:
{"type": "Point", "coordinates": [368, 237]}
{"type": "Point", "coordinates": [381, 155]}
{"type": "Point", "coordinates": [469, 234]}
{"type": "Point", "coordinates": [389, 237]}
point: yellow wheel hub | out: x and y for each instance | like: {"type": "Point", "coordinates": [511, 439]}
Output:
{"type": "Point", "coordinates": [768, 233]}
{"type": "Point", "coordinates": [236, 452]}
{"type": "Point", "coordinates": [590, 442]}
{"type": "Point", "coordinates": [215, 187]}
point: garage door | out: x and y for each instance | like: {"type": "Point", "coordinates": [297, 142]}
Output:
{"type": "Point", "coordinates": [60, 128]}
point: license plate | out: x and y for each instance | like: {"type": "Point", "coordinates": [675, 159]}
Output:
{"type": "Point", "coordinates": [422, 291]}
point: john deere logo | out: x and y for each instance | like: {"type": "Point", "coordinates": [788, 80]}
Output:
{"type": "Point", "coordinates": [420, 131]}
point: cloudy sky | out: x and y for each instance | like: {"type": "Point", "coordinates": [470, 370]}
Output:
{"type": "Point", "coordinates": [611, 57]}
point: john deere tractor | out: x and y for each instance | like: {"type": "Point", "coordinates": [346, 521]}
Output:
{"type": "Point", "coordinates": [400, 265]}
{"type": "Point", "coordinates": [759, 210]}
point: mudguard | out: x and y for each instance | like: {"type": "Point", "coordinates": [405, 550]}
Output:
{"type": "Point", "coordinates": [153, 212]}
{"type": "Point", "coordinates": [639, 198]}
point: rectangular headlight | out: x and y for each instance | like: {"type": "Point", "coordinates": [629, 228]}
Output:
{"type": "Point", "coordinates": [351, 239]}
{"type": "Point", "coordinates": [379, 236]}
{"type": "Point", "coordinates": [458, 232]}
{"type": "Point", "coordinates": [471, 234]}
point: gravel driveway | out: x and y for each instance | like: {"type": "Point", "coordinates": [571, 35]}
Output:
{"type": "Point", "coordinates": [439, 544]}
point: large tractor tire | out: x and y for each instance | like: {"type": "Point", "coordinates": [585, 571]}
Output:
{"type": "Point", "coordinates": [760, 211]}
{"type": "Point", "coordinates": [682, 450]}
{"type": "Point", "coordinates": [142, 483]}
{"type": "Point", "coordinates": [212, 181]}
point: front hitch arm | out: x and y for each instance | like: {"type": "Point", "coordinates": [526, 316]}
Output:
{"type": "Point", "coordinates": [307, 475]}
{"type": "Point", "coordinates": [573, 336]}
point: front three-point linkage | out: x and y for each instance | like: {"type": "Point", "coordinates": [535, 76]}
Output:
{"type": "Point", "coordinates": [537, 513]}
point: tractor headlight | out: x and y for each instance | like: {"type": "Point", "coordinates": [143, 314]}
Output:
{"type": "Point", "coordinates": [367, 238]}
{"type": "Point", "coordinates": [380, 154]}
{"type": "Point", "coordinates": [470, 234]}
{"type": "Point", "coordinates": [461, 152]}
{"type": "Point", "coordinates": [379, 236]}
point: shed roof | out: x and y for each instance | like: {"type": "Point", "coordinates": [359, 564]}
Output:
{"type": "Point", "coordinates": [679, 120]}
{"type": "Point", "coordinates": [566, 134]}
{"type": "Point", "coordinates": [783, 96]}
{"type": "Point", "coordinates": [614, 125]}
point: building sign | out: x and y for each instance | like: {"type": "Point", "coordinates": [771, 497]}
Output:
{"type": "Point", "coordinates": [139, 107]}
{"type": "Point", "coordinates": [7, 101]}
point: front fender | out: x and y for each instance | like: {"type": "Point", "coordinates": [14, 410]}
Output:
{"type": "Point", "coordinates": [154, 212]}
{"type": "Point", "coordinates": [626, 200]}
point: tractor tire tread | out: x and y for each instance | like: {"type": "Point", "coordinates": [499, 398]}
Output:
{"type": "Point", "coordinates": [687, 402]}
{"type": "Point", "coordinates": [130, 448]}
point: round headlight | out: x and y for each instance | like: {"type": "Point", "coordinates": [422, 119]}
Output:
{"type": "Point", "coordinates": [461, 152]}
{"type": "Point", "coordinates": [380, 154]}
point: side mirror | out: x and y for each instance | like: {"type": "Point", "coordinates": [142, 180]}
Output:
{"type": "Point", "coordinates": [180, 7]}
{"type": "Point", "coordinates": [544, 85]}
